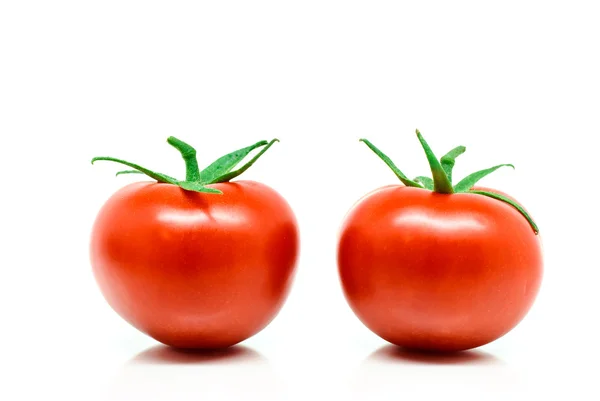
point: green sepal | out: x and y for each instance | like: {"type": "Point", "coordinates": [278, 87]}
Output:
{"type": "Point", "coordinates": [163, 178]}
{"type": "Point", "coordinates": [442, 176]}
{"type": "Point", "coordinates": [513, 204]}
{"type": "Point", "coordinates": [225, 164]}
{"type": "Point", "coordinates": [197, 187]}
{"type": "Point", "coordinates": [469, 181]}
{"type": "Point", "coordinates": [426, 181]}
{"type": "Point", "coordinates": [127, 172]}
{"type": "Point", "coordinates": [232, 174]}
{"type": "Point", "coordinates": [441, 183]}
{"type": "Point", "coordinates": [447, 161]}
{"type": "Point", "coordinates": [405, 180]}
{"type": "Point", "coordinates": [219, 171]}
{"type": "Point", "coordinates": [157, 176]}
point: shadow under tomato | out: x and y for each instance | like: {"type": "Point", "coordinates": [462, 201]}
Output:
{"type": "Point", "coordinates": [165, 373]}
{"type": "Point", "coordinates": [165, 355]}
{"type": "Point", "coordinates": [393, 353]}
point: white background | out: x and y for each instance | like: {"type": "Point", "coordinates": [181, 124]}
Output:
{"type": "Point", "coordinates": [516, 82]}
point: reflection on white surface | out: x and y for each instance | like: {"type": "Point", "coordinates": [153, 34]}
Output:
{"type": "Point", "coordinates": [421, 220]}
{"type": "Point", "coordinates": [162, 373]}
{"type": "Point", "coordinates": [391, 373]}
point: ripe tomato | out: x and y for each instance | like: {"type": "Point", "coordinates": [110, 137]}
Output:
{"type": "Point", "coordinates": [438, 271]}
{"type": "Point", "coordinates": [195, 269]}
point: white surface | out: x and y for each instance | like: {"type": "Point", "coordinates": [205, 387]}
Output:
{"type": "Point", "coordinates": [516, 82]}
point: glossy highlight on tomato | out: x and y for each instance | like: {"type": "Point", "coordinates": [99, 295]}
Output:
{"type": "Point", "coordinates": [196, 269]}
{"type": "Point", "coordinates": [439, 271]}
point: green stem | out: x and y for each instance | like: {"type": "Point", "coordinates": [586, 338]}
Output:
{"type": "Point", "coordinates": [441, 183]}
{"type": "Point", "coordinates": [192, 172]}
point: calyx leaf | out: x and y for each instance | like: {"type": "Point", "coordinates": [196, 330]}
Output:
{"type": "Point", "coordinates": [405, 180]}
{"type": "Point", "coordinates": [441, 171]}
{"type": "Point", "coordinates": [197, 181]}
{"type": "Point", "coordinates": [469, 181]}
{"type": "Point", "coordinates": [426, 181]}
{"type": "Point", "coordinates": [512, 203]}
{"type": "Point", "coordinates": [225, 164]}
{"type": "Point", "coordinates": [447, 161]}
{"type": "Point", "coordinates": [220, 170]}
{"type": "Point", "coordinates": [157, 176]}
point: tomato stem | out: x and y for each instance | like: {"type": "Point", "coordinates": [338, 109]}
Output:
{"type": "Point", "coordinates": [192, 172]}
{"type": "Point", "coordinates": [441, 182]}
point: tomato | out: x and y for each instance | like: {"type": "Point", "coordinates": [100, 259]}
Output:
{"type": "Point", "coordinates": [439, 271]}
{"type": "Point", "coordinates": [195, 269]}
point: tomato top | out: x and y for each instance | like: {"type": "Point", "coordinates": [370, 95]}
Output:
{"type": "Point", "coordinates": [441, 181]}
{"type": "Point", "coordinates": [195, 180]}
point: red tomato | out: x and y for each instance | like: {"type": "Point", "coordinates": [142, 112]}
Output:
{"type": "Point", "coordinates": [191, 269]}
{"type": "Point", "coordinates": [435, 271]}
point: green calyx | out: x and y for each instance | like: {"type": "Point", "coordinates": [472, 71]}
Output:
{"type": "Point", "coordinates": [441, 176]}
{"type": "Point", "coordinates": [221, 170]}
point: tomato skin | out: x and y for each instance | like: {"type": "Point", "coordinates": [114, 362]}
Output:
{"type": "Point", "coordinates": [438, 272]}
{"type": "Point", "coordinates": [195, 270]}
